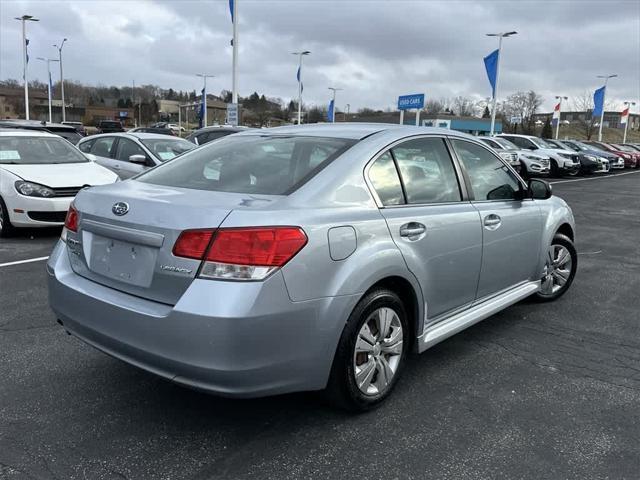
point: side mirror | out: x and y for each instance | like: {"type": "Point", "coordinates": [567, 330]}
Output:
{"type": "Point", "coordinates": [140, 159]}
{"type": "Point", "coordinates": [539, 189]}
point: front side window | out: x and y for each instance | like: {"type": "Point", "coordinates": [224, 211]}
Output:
{"type": "Point", "coordinates": [427, 171]}
{"type": "Point", "coordinates": [86, 146]}
{"type": "Point", "coordinates": [21, 150]}
{"type": "Point", "coordinates": [261, 164]}
{"type": "Point", "coordinates": [166, 149]}
{"type": "Point", "coordinates": [522, 142]}
{"type": "Point", "coordinates": [490, 178]}
{"type": "Point", "coordinates": [103, 147]}
{"type": "Point", "coordinates": [126, 148]}
{"type": "Point", "coordinates": [385, 180]}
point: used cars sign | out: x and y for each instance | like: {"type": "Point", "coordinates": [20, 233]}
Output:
{"type": "Point", "coordinates": [407, 102]}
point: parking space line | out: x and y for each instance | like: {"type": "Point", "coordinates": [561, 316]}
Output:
{"type": "Point", "coordinates": [594, 178]}
{"type": "Point", "coordinates": [19, 262]}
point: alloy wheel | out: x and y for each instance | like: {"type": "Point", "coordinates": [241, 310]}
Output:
{"type": "Point", "coordinates": [378, 351]}
{"type": "Point", "coordinates": [557, 269]}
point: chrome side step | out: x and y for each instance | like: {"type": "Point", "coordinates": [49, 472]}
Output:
{"type": "Point", "coordinates": [442, 330]}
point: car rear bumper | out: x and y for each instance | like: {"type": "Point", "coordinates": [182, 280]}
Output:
{"type": "Point", "coordinates": [262, 344]}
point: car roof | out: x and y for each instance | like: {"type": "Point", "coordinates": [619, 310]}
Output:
{"type": "Point", "coordinates": [212, 128]}
{"type": "Point", "coordinates": [351, 130]}
{"type": "Point", "coordinates": [20, 132]}
{"type": "Point", "coordinates": [517, 135]}
{"type": "Point", "coordinates": [138, 135]}
{"type": "Point", "coordinates": [17, 123]}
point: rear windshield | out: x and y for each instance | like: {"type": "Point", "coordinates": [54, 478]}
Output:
{"type": "Point", "coordinates": [38, 150]}
{"type": "Point", "coordinates": [67, 133]}
{"type": "Point", "coordinates": [167, 149]}
{"type": "Point", "coordinates": [269, 165]}
{"type": "Point", "coordinates": [110, 124]}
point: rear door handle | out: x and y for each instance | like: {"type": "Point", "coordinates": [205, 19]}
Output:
{"type": "Point", "coordinates": [412, 230]}
{"type": "Point", "coordinates": [492, 222]}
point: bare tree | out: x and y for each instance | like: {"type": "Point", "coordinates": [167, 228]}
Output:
{"type": "Point", "coordinates": [523, 105]}
{"type": "Point", "coordinates": [463, 106]}
{"type": "Point", "coordinates": [433, 107]}
{"type": "Point", "coordinates": [584, 103]}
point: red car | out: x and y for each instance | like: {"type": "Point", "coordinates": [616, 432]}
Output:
{"type": "Point", "coordinates": [631, 158]}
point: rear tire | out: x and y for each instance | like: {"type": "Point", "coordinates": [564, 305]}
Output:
{"type": "Point", "coordinates": [6, 229]}
{"type": "Point", "coordinates": [371, 353]}
{"type": "Point", "coordinates": [560, 269]}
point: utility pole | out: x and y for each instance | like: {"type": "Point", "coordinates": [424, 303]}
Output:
{"type": "Point", "coordinates": [25, 60]}
{"type": "Point", "coordinates": [48, 61]}
{"type": "Point", "coordinates": [495, 93]}
{"type": "Point", "coordinates": [300, 55]}
{"type": "Point", "coordinates": [64, 113]}
{"type": "Point", "coordinates": [204, 94]}
{"type": "Point", "coordinates": [604, 95]}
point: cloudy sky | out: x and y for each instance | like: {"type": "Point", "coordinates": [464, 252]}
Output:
{"type": "Point", "coordinates": [373, 49]}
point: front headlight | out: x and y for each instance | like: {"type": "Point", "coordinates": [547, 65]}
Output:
{"type": "Point", "coordinates": [591, 157]}
{"type": "Point", "coordinates": [30, 189]}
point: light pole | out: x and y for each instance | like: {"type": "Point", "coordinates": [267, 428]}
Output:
{"type": "Point", "coordinates": [234, 66]}
{"type": "Point", "coordinates": [346, 115]}
{"type": "Point", "coordinates": [49, 60]}
{"type": "Point", "coordinates": [204, 93]}
{"type": "Point", "coordinates": [495, 93]}
{"type": "Point", "coordinates": [626, 125]}
{"type": "Point", "coordinates": [559, 98]}
{"type": "Point", "coordinates": [64, 113]}
{"type": "Point", "coordinates": [604, 95]}
{"type": "Point", "coordinates": [333, 113]}
{"type": "Point", "coordinates": [300, 55]}
{"type": "Point", "coordinates": [25, 59]}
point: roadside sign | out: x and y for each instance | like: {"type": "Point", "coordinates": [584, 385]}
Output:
{"type": "Point", "coordinates": [232, 114]}
{"type": "Point", "coordinates": [407, 102]}
{"type": "Point", "coordinates": [516, 120]}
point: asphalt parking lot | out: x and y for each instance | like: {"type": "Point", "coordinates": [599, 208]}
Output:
{"type": "Point", "coordinates": [537, 391]}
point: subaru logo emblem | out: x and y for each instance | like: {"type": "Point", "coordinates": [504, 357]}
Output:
{"type": "Point", "coordinates": [120, 208]}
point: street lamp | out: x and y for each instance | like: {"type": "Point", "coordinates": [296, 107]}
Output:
{"type": "Point", "coordinates": [559, 98]}
{"type": "Point", "coordinates": [204, 95]}
{"type": "Point", "coordinates": [346, 115]}
{"type": "Point", "coordinates": [49, 60]}
{"type": "Point", "coordinates": [333, 113]}
{"type": "Point", "coordinates": [626, 125]}
{"type": "Point", "coordinates": [25, 59]}
{"type": "Point", "coordinates": [495, 93]}
{"type": "Point", "coordinates": [606, 79]}
{"type": "Point", "coordinates": [64, 113]}
{"type": "Point", "coordinates": [300, 55]}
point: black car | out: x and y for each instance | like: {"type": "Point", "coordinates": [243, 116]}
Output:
{"type": "Point", "coordinates": [65, 131]}
{"type": "Point", "coordinates": [207, 134]}
{"type": "Point", "coordinates": [110, 126]}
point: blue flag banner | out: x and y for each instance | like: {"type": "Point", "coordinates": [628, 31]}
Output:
{"type": "Point", "coordinates": [298, 77]}
{"type": "Point", "coordinates": [491, 65]}
{"type": "Point", "coordinates": [50, 85]}
{"type": "Point", "coordinates": [201, 113]}
{"type": "Point", "coordinates": [231, 10]}
{"type": "Point", "coordinates": [598, 102]}
{"type": "Point", "coordinates": [330, 112]}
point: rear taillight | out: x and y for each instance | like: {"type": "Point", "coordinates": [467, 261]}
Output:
{"type": "Point", "coordinates": [70, 222]}
{"type": "Point", "coordinates": [241, 253]}
{"type": "Point", "coordinates": [192, 244]}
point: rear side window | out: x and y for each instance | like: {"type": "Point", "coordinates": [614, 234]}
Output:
{"type": "Point", "coordinates": [103, 147]}
{"type": "Point", "coordinates": [86, 146]}
{"type": "Point", "coordinates": [427, 171]}
{"type": "Point", "coordinates": [385, 180]}
{"type": "Point", "coordinates": [270, 165]}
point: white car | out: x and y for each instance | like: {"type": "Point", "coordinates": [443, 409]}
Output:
{"type": "Point", "coordinates": [563, 162]}
{"type": "Point", "coordinates": [175, 128]}
{"type": "Point", "coordinates": [40, 173]}
{"type": "Point", "coordinates": [531, 163]}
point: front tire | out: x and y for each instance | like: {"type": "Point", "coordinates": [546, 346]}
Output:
{"type": "Point", "coordinates": [6, 229]}
{"type": "Point", "coordinates": [371, 352]}
{"type": "Point", "coordinates": [560, 269]}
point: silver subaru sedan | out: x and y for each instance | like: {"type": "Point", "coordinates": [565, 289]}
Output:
{"type": "Point", "coordinates": [306, 258]}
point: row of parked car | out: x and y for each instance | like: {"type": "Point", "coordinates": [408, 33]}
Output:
{"type": "Point", "coordinates": [534, 156]}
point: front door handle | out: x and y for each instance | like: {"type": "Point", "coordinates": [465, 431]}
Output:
{"type": "Point", "coordinates": [412, 230]}
{"type": "Point", "coordinates": [492, 222]}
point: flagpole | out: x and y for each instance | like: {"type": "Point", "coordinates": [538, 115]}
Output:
{"type": "Point", "coordinates": [64, 114]}
{"type": "Point", "coordinates": [25, 60]}
{"type": "Point", "coordinates": [300, 55]}
{"type": "Point", "coordinates": [559, 98]}
{"type": "Point", "coordinates": [234, 95]}
{"type": "Point", "coordinates": [333, 112]}
{"type": "Point", "coordinates": [48, 60]}
{"type": "Point", "coordinates": [604, 96]}
{"type": "Point", "coordinates": [495, 90]}
{"type": "Point", "coordinates": [626, 125]}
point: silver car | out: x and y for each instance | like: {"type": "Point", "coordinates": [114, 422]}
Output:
{"type": "Point", "coordinates": [306, 258]}
{"type": "Point", "coordinates": [531, 164]}
{"type": "Point", "coordinates": [129, 154]}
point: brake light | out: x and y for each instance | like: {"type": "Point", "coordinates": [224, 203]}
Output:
{"type": "Point", "coordinates": [241, 253]}
{"type": "Point", "coordinates": [71, 220]}
{"type": "Point", "coordinates": [192, 243]}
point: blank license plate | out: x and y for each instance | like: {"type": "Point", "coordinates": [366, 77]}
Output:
{"type": "Point", "coordinates": [127, 262]}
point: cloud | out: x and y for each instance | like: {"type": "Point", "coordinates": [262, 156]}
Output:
{"type": "Point", "coordinates": [373, 49]}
